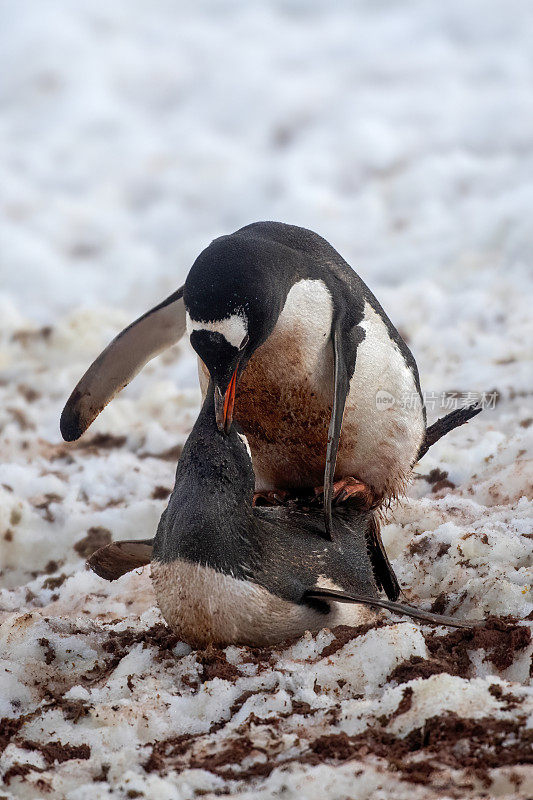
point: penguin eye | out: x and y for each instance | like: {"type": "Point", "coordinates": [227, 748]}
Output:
{"type": "Point", "coordinates": [244, 342]}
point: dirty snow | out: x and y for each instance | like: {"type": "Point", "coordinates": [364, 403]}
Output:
{"type": "Point", "coordinates": [131, 135]}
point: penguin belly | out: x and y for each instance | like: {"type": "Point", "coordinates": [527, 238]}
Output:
{"type": "Point", "coordinates": [284, 396]}
{"type": "Point", "coordinates": [204, 606]}
{"type": "Point", "coordinates": [384, 422]}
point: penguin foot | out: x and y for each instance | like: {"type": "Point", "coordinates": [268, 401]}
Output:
{"type": "Point", "coordinates": [348, 491]}
{"type": "Point", "coordinates": [354, 492]}
{"type": "Point", "coordinates": [276, 497]}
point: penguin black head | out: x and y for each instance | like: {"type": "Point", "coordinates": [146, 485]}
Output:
{"type": "Point", "coordinates": [233, 296]}
{"type": "Point", "coordinates": [213, 464]}
{"type": "Point", "coordinates": [224, 362]}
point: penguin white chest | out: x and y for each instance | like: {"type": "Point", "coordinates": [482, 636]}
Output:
{"type": "Point", "coordinates": [379, 443]}
{"type": "Point", "coordinates": [304, 329]}
{"type": "Point", "coordinates": [204, 606]}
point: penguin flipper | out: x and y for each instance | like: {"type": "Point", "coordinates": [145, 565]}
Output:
{"type": "Point", "coordinates": [117, 558]}
{"type": "Point", "coordinates": [446, 424]}
{"type": "Point", "coordinates": [397, 608]}
{"type": "Point", "coordinates": [384, 574]}
{"type": "Point", "coordinates": [121, 360]}
{"type": "Point", "coordinates": [344, 354]}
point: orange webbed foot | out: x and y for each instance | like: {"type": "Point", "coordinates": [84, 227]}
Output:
{"type": "Point", "coordinates": [353, 492]}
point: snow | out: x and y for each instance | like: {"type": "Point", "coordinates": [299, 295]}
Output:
{"type": "Point", "coordinates": [132, 134]}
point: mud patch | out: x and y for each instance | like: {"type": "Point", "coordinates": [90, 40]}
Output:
{"type": "Point", "coordinates": [216, 665]}
{"type": "Point", "coordinates": [501, 638]}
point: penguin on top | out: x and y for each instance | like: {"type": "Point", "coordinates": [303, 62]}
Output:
{"type": "Point", "coordinates": [300, 353]}
{"type": "Point", "coordinates": [226, 572]}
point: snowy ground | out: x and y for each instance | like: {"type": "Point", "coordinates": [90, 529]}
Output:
{"type": "Point", "coordinates": [132, 134]}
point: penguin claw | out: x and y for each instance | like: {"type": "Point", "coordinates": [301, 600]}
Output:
{"type": "Point", "coordinates": [276, 497]}
{"type": "Point", "coordinates": [343, 494]}
{"type": "Point", "coordinates": [352, 491]}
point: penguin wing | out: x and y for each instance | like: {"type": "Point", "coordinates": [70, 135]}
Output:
{"type": "Point", "coordinates": [444, 425]}
{"type": "Point", "coordinates": [117, 558]}
{"type": "Point", "coordinates": [398, 608]}
{"type": "Point", "coordinates": [384, 574]}
{"type": "Point", "coordinates": [122, 359]}
{"type": "Point", "coordinates": [345, 344]}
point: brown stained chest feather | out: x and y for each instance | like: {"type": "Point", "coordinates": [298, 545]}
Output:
{"type": "Point", "coordinates": [283, 415]}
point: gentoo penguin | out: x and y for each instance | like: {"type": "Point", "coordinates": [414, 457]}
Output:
{"type": "Point", "coordinates": [226, 572]}
{"type": "Point", "coordinates": [297, 347]}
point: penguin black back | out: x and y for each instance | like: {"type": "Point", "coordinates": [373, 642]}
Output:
{"type": "Point", "coordinates": [210, 518]}
{"type": "Point", "coordinates": [214, 550]}
{"type": "Point", "coordinates": [226, 572]}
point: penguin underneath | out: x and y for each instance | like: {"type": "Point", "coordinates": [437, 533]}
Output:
{"type": "Point", "coordinates": [226, 572]}
{"type": "Point", "coordinates": [300, 352]}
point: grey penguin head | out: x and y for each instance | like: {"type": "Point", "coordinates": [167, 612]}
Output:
{"type": "Point", "coordinates": [213, 490]}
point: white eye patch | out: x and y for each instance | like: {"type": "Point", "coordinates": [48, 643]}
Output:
{"type": "Point", "coordinates": [233, 328]}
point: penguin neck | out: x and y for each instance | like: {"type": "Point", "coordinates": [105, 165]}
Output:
{"type": "Point", "coordinates": [212, 497]}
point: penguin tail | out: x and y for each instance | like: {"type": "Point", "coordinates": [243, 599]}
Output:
{"type": "Point", "coordinates": [117, 558]}
{"type": "Point", "coordinates": [403, 609]}
{"type": "Point", "coordinates": [446, 424]}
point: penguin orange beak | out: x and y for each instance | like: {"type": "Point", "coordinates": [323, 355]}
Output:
{"type": "Point", "coordinates": [224, 404]}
